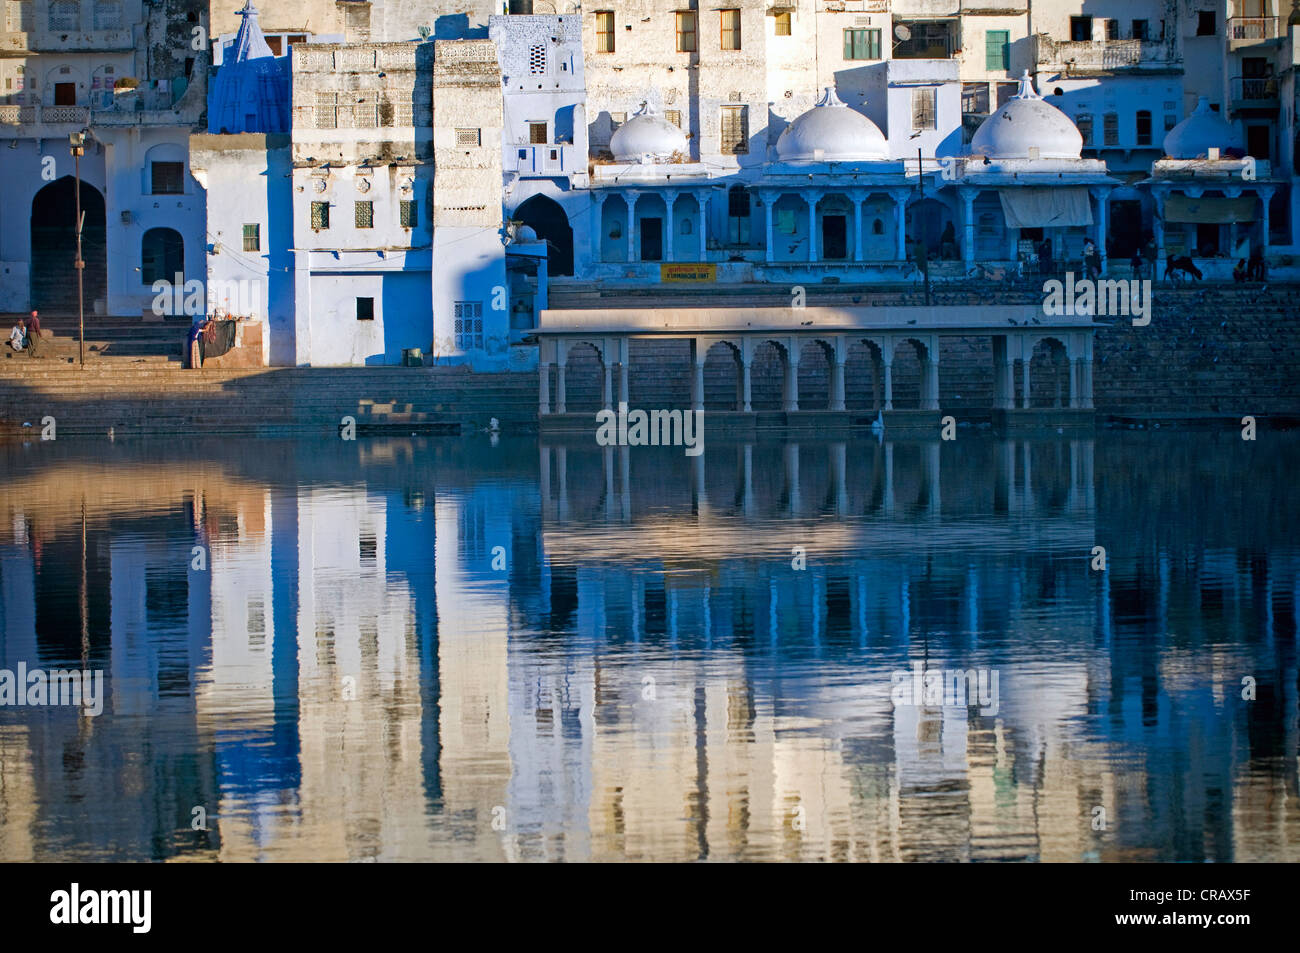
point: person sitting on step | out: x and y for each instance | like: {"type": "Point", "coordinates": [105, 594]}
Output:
{"type": "Point", "coordinates": [18, 336]}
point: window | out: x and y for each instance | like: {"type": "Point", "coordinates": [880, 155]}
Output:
{"type": "Point", "coordinates": [65, 15]}
{"type": "Point", "coordinates": [1143, 127]}
{"type": "Point", "coordinates": [1206, 24]}
{"type": "Point", "coordinates": [356, 21]}
{"type": "Point", "coordinates": [1005, 92]}
{"type": "Point", "coordinates": [1171, 120]}
{"type": "Point", "coordinates": [686, 31]}
{"type": "Point", "coordinates": [537, 133]}
{"type": "Point", "coordinates": [320, 215]}
{"type": "Point", "coordinates": [862, 44]}
{"type": "Point", "coordinates": [252, 238]}
{"type": "Point", "coordinates": [734, 130]}
{"type": "Point", "coordinates": [409, 214]}
{"type": "Point", "coordinates": [167, 178]}
{"type": "Point", "coordinates": [1084, 122]}
{"type": "Point", "coordinates": [108, 15]}
{"type": "Point", "coordinates": [365, 312]}
{"type": "Point", "coordinates": [1110, 129]}
{"type": "Point", "coordinates": [782, 23]}
{"type": "Point", "coordinates": [364, 214]}
{"type": "Point", "coordinates": [1112, 29]}
{"type": "Point", "coordinates": [162, 256]}
{"type": "Point", "coordinates": [674, 116]}
{"type": "Point", "coordinates": [997, 50]}
{"type": "Point", "coordinates": [537, 59]}
{"type": "Point", "coordinates": [1080, 29]}
{"type": "Point", "coordinates": [468, 137]}
{"type": "Point", "coordinates": [1141, 30]}
{"type": "Point", "coordinates": [923, 108]}
{"type": "Point", "coordinates": [730, 29]}
{"type": "Point", "coordinates": [469, 325]}
{"type": "Point", "coordinates": [604, 31]}
{"type": "Point", "coordinates": [975, 98]}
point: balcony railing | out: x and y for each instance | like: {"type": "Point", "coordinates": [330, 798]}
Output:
{"type": "Point", "coordinates": [534, 159]}
{"type": "Point", "coordinates": [43, 115]}
{"type": "Point", "coordinates": [1102, 54]}
{"type": "Point", "coordinates": [1252, 28]}
{"type": "Point", "coordinates": [1257, 90]}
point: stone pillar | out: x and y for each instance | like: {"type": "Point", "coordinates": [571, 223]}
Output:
{"type": "Point", "coordinates": [562, 358]}
{"type": "Point", "coordinates": [900, 225]}
{"type": "Point", "coordinates": [837, 383]}
{"type": "Point", "coordinates": [1074, 383]}
{"type": "Point", "coordinates": [812, 198]}
{"type": "Point", "coordinates": [697, 379]}
{"type": "Point", "coordinates": [607, 391]}
{"type": "Point", "coordinates": [791, 402]}
{"type": "Point", "coordinates": [702, 199]}
{"type": "Point", "coordinates": [930, 379]}
{"type": "Point", "coordinates": [623, 375]}
{"type": "Point", "coordinates": [768, 201]}
{"type": "Point", "coordinates": [968, 228]}
{"type": "Point", "coordinates": [598, 253]}
{"type": "Point", "coordinates": [887, 359]}
{"type": "Point", "coordinates": [1158, 226]}
{"type": "Point", "coordinates": [630, 198]}
{"type": "Point", "coordinates": [857, 225]}
{"type": "Point", "coordinates": [1265, 195]}
{"type": "Point", "coordinates": [746, 362]}
{"type": "Point", "coordinates": [543, 388]}
{"type": "Point", "coordinates": [1024, 370]}
{"type": "Point", "coordinates": [1085, 382]}
{"type": "Point", "coordinates": [670, 199]}
{"type": "Point", "coordinates": [1103, 210]}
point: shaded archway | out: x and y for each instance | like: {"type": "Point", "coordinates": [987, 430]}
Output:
{"type": "Point", "coordinates": [162, 256]}
{"type": "Point", "coordinates": [1049, 375]}
{"type": "Point", "coordinates": [722, 377]}
{"type": "Point", "coordinates": [926, 221]}
{"type": "Point", "coordinates": [54, 246]}
{"type": "Point", "coordinates": [545, 216]}
{"type": "Point", "coordinates": [767, 377]}
{"type": "Point", "coordinates": [905, 374]}
{"type": "Point", "coordinates": [864, 386]}
{"type": "Point", "coordinates": [584, 379]}
{"type": "Point", "coordinates": [815, 359]}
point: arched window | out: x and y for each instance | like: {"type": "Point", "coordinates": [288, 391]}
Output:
{"type": "Point", "coordinates": [877, 227]}
{"type": "Point", "coordinates": [162, 256]}
{"type": "Point", "coordinates": [65, 15]}
{"type": "Point", "coordinates": [686, 226]}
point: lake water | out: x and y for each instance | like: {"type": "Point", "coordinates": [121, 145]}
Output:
{"type": "Point", "coordinates": [473, 649]}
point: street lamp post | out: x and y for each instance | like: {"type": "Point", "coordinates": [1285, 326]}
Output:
{"type": "Point", "coordinates": [77, 140]}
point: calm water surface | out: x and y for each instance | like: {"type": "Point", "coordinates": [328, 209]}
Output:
{"type": "Point", "coordinates": [428, 648]}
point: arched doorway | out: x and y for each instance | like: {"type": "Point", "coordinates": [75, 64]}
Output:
{"type": "Point", "coordinates": [54, 246]}
{"type": "Point", "coordinates": [927, 220]}
{"type": "Point", "coordinates": [548, 220]}
{"type": "Point", "coordinates": [162, 256]}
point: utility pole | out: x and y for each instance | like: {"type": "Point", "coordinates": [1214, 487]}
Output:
{"type": "Point", "coordinates": [78, 143]}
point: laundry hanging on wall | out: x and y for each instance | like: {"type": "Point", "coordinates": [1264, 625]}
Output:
{"type": "Point", "coordinates": [1033, 207]}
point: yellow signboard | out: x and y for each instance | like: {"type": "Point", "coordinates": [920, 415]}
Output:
{"type": "Point", "coordinates": [688, 272]}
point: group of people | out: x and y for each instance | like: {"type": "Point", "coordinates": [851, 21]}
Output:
{"type": "Point", "coordinates": [1252, 269]}
{"type": "Point", "coordinates": [26, 335]}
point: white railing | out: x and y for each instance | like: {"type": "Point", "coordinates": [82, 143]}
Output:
{"type": "Point", "coordinates": [1252, 28]}
{"type": "Point", "coordinates": [1100, 54]}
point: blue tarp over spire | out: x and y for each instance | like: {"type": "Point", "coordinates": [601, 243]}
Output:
{"type": "Point", "coordinates": [251, 89]}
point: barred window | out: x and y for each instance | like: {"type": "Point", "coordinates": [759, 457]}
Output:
{"type": "Point", "coordinates": [1144, 127]}
{"type": "Point", "coordinates": [1084, 122]}
{"type": "Point", "coordinates": [167, 178]}
{"type": "Point", "coordinates": [252, 238]}
{"type": "Point", "coordinates": [923, 108]}
{"type": "Point", "coordinates": [364, 214]}
{"type": "Point", "coordinates": [320, 215]}
{"type": "Point", "coordinates": [730, 29]}
{"type": "Point", "coordinates": [604, 31]}
{"type": "Point", "coordinates": [1110, 128]}
{"type": "Point", "coordinates": [469, 325]}
{"type": "Point", "coordinates": [65, 15]}
{"type": "Point", "coordinates": [108, 15]}
{"type": "Point", "coordinates": [862, 44]}
{"type": "Point", "coordinates": [783, 23]}
{"type": "Point", "coordinates": [537, 133]}
{"type": "Point", "coordinates": [674, 116]}
{"type": "Point", "coordinates": [537, 59]}
{"type": "Point", "coordinates": [468, 137]}
{"type": "Point", "coordinates": [409, 214]}
{"type": "Point", "coordinates": [734, 131]}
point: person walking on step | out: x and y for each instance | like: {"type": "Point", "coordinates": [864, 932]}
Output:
{"type": "Point", "coordinates": [34, 335]}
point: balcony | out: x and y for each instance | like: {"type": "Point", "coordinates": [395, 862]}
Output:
{"type": "Point", "coordinates": [78, 41]}
{"type": "Point", "coordinates": [1254, 92]}
{"type": "Point", "coordinates": [541, 160]}
{"type": "Point", "coordinates": [1244, 31]}
{"type": "Point", "coordinates": [40, 121]}
{"type": "Point", "coordinates": [1103, 56]}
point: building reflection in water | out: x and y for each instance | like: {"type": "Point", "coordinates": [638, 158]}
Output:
{"type": "Point", "coordinates": [444, 649]}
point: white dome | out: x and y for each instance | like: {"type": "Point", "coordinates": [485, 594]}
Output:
{"type": "Point", "coordinates": [647, 133]}
{"type": "Point", "coordinates": [1203, 130]}
{"type": "Point", "coordinates": [525, 233]}
{"type": "Point", "coordinates": [1026, 121]}
{"type": "Point", "coordinates": [840, 133]}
